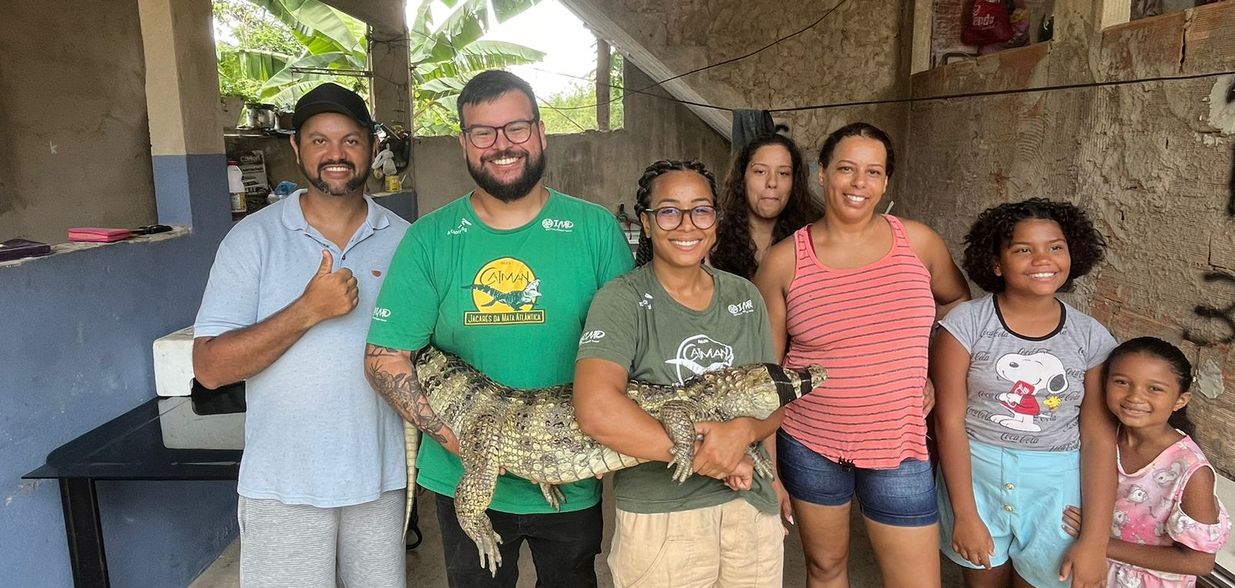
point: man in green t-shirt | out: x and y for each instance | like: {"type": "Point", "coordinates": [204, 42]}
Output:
{"type": "Point", "coordinates": [503, 278]}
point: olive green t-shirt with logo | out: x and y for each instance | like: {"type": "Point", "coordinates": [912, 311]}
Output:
{"type": "Point", "coordinates": [509, 302]}
{"type": "Point", "coordinates": [636, 324]}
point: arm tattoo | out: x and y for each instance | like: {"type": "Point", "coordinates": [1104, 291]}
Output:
{"type": "Point", "coordinates": [402, 391]}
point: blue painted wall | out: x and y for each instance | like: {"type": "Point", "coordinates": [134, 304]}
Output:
{"type": "Point", "coordinates": [75, 351]}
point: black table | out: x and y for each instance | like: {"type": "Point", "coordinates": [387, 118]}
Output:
{"type": "Point", "coordinates": [128, 447]}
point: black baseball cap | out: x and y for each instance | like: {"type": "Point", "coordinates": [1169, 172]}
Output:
{"type": "Point", "coordinates": [331, 97]}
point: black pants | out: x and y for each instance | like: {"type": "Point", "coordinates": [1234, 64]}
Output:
{"type": "Point", "coordinates": [564, 547]}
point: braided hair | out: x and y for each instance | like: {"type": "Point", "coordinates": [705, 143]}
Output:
{"type": "Point", "coordinates": [735, 250]}
{"type": "Point", "coordinates": [643, 196]}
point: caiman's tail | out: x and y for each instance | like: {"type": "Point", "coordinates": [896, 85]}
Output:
{"type": "Point", "coordinates": [411, 442]}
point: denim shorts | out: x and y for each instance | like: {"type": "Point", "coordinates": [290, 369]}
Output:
{"type": "Point", "coordinates": [1020, 496]}
{"type": "Point", "coordinates": [903, 496]}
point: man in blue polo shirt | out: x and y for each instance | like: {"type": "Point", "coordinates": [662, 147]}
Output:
{"type": "Point", "coordinates": [323, 478]}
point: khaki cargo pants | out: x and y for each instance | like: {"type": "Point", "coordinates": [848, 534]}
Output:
{"type": "Point", "coordinates": [731, 545]}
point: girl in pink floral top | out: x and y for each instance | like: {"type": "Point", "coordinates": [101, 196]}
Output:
{"type": "Point", "coordinates": [1168, 524]}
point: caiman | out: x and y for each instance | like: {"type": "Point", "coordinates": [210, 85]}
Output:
{"type": "Point", "coordinates": [533, 433]}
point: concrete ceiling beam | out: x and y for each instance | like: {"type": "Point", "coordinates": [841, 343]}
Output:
{"type": "Point", "coordinates": [389, 58]}
{"type": "Point", "coordinates": [386, 16]}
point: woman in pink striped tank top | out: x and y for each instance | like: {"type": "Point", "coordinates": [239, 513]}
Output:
{"type": "Point", "coordinates": [858, 292]}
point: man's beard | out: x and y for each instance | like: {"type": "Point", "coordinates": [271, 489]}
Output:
{"type": "Point", "coordinates": [533, 169]}
{"type": "Point", "coordinates": [324, 187]}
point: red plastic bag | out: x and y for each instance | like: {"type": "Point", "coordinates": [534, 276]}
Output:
{"type": "Point", "coordinates": [1019, 19]}
{"type": "Point", "coordinates": [988, 22]}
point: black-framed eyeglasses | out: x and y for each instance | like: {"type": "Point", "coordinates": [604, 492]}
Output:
{"type": "Point", "coordinates": [516, 131]}
{"type": "Point", "coordinates": [670, 217]}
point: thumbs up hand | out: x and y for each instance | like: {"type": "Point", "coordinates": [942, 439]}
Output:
{"type": "Point", "coordinates": [329, 293]}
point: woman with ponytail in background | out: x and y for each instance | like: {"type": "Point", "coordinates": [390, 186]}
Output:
{"type": "Point", "coordinates": [666, 321]}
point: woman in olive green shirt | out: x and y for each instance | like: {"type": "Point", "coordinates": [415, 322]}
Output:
{"type": "Point", "coordinates": [666, 321]}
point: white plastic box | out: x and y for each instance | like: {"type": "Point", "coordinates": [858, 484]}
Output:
{"type": "Point", "coordinates": [173, 363]}
{"type": "Point", "coordinates": [185, 429]}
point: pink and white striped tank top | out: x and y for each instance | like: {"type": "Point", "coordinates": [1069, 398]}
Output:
{"type": "Point", "coordinates": [870, 328]}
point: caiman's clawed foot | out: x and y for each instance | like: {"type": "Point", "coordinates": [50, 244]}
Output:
{"type": "Point", "coordinates": [487, 542]}
{"type": "Point", "coordinates": [763, 465]}
{"type": "Point", "coordinates": [677, 416]}
{"type": "Point", "coordinates": [683, 460]}
{"type": "Point", "coordinates": [553, 495]}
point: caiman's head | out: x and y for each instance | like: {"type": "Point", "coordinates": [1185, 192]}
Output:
{"type": "Point", "coordinates": [792, 384]}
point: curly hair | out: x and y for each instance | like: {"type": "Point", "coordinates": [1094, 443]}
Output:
{"type": "Point", "coordinates": [858, 129]}
{"type": "Point", "coordinates": [993, 228]}
{"type": "Point", "coordinates": [643, 196]}
{"type": "Point", "coordinates": [735, 250]}
{"type": "Point", "coordinates": [1175, 359]}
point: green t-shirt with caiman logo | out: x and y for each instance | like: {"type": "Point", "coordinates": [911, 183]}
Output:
{"type": "Point", "coordinates": [636, 324]}
{"type": "Point", "coordinates": [509, 302]}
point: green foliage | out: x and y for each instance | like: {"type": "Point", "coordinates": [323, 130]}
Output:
{"type": "Point", "coordinates": [253, 27]}
{"type": "Point", "coordinates": [273, 51]}
{"type": "Point", "coordinates": [283, 48]}
{"type": "Point", "coordinates": [574, 111]}
{"type": "Point", "coordinates": [445, 55]}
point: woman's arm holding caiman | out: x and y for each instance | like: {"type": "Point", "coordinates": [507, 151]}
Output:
{"type": "Point", "coordinates": [392, 373]}
{"type": "Point", "coordinates": [724, 443]}
{"type": "Point", "coordinates": [608, 416]}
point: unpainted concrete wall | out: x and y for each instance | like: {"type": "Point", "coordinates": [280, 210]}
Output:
{"type": "Point", "coordinates": [854, 54]}
{"type": "Point", "coordinates": [1150, 161]}
{"type": "Point", "coordinates": [602, 167]}
{"type": "Point", "coordinates": [73, 119]}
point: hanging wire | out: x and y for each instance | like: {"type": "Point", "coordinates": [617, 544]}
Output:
{"type": "Point", "coordinates": [854, 103]}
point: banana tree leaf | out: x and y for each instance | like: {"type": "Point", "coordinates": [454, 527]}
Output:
{"type": "Point", "coordinates": [441, 87]}
{"type": "Point", "coordinates": [257, 64]}
{"type": "Point", "coordinates": [276, 9]}
{"type": "Point", "coordinates": [321, 28]}
{"type": "Point", "coordinates": [486, 48]}
{"type": "Point", "coordinates": [478, 56]}
{"type": "Point", "coordinates": [420, 22]}
{"type": "Point", "coordinates": [288, 76]}
{"type": "Point", "coordinates": [505, 10]}
{"type": "Point", "coordinates": [466, 66]}
{"type": "Point", "coordinates": [290, 94]}
{"type": "Point", "coordinates": [327, 21]}
{"type": "Point", "coordinates": [318, 44]}
{"type": "Point", "coordinates": [467, 23]}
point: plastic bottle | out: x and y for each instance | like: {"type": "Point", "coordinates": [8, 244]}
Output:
{"type": "Point", "coordinates": [235, 186]}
